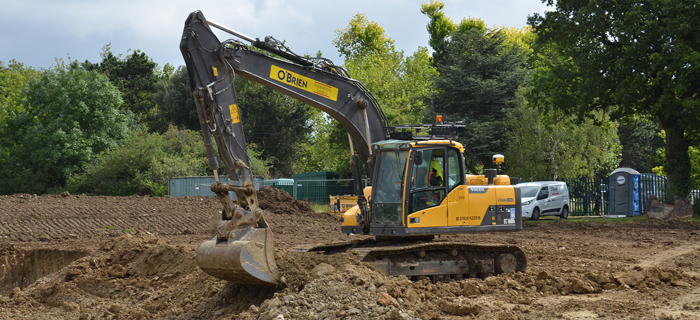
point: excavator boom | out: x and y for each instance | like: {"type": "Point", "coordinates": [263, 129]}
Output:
{"type": "Point", "coordinates": [241, 251]}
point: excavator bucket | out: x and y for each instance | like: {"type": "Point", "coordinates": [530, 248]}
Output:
{"type": "Point", "coordinates": [247, 257]}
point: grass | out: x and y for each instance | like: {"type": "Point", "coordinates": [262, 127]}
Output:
{"type": "Point", "coordinates": [320, 207]}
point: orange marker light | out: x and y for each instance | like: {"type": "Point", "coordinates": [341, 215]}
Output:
{"type": "Point", "coordinates": [438, 119]}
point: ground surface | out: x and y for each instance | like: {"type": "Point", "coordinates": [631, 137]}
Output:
{"type": "Point", "coordinates": [79, 257]}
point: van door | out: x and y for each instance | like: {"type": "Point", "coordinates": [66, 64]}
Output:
{"type": "Point", "coordinates": [555, 198]}
{"type": "Point", "coordinates": [542, 200]}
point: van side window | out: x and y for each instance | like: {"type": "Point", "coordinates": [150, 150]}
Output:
{"type": "Point", "coordinates": [544, 193]}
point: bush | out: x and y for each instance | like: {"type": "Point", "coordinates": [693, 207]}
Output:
{"type": "Point", "coordinates": [143, 164]}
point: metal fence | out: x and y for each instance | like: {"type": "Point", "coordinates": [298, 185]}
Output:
{"type": "Point", "coordinates": [318, 191]}
{"type": "Point", "coordinates": [591, 196]}
{"type": "Point", "coordinates": [588, 196]}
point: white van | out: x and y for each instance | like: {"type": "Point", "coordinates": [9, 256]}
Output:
{"type": "Point", "coordinates": [544, 198]}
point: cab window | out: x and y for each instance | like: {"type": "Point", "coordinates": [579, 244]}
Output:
{"type": "Point", "coordinates": [428, 180]}
{"type": "Point", "coordinates": [387, 198]}
{"type": "Point", "coordinates": [454, 169]}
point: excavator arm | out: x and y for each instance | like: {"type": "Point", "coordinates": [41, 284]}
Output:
{"type": "Point", "coordinates": [241, 250]}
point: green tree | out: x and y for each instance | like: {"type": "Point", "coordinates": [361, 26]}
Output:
{"type": "Point", "coordinates": [13, 78]}
{"type": "Point", "coordinates": [401, 84]}
{"type": "Point", "coordinates": [629, 58]}
{"type": "Point", "coordinates": [176, 105]}
{"type": "Point", "coordinates": [137, 77]}
{"type": "Point", "coordinates": [478, 83]}
{"type": "Point", "coordinates": [326, 149]}
{"type": "Point", "coordinates": [441, 28]}
{"type": "Point", "coordinates": [69, 117]}
{"type": "Point", "coordinates": [539, 149]}
{"type": "Point", "coordinates": [640, 141]}
{"type": "Point", "coordinates": [480, 72]}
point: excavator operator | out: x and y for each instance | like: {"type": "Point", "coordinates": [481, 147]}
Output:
{"type": "Point", "coordinates": [436, 177]}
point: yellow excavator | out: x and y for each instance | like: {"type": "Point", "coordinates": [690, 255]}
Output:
{"type": "Point", "coordinates": [419, 185]}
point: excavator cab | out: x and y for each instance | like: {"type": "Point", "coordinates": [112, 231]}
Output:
{"type": "Point", "coordinates": [421, 189]}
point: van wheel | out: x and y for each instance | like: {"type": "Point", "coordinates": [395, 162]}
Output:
{"type": "Point", "coordinates": [564, 213]}
{"type": "Point", "coordinates": [535, 214]}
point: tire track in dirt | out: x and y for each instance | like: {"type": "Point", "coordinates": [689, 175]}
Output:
{"type": "Point", "coordinates": [663, 256]}
{"type": "Point", "coordinates": [45, 229]}
{"type": "Point", "coordinates": [684, 306]}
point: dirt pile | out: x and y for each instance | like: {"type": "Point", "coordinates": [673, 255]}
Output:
{"type": "Point", "coordinates": [338, 287]}
{"type": "Point", "coordinates": [130, 277]}
{"type": "Point", "coordinates": [276, 201]}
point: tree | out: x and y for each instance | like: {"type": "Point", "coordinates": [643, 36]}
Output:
{"type": "Point", "coordinates": [540, 149]}
{"type": "Point", "coordinates": [176, 105]}
{"type": "Point", "coordinates": [479, 78]}
{"type": "Point", "coordinates": [143, 164]}
{"type": "Point", "coordinates": [13, 78]}
{"type": "Point", "coordinates": [629, 58]}
{"type": "Point", "coordinates": [640, 141]}
{"type": "Point", "coordinates": [480, 71]}
{"type": "Point", "coordinates": [327, 148]}
{"type": "Point", "coordinates": [137, 77]}
{"type": "Point", "coordinates": [402, 85]}
{"type": "Point", "coordinates": [69, 117]}
{"type": "Point", "coordinates": [441, 28]}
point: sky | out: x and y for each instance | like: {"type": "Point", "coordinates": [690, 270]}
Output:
{"type": "Point", "coordinates": [38, 32]}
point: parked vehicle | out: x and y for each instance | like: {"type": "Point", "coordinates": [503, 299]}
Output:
{"type": "Point", "coordinates": [544, 198]}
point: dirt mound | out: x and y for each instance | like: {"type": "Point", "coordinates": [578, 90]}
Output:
{"type": "Point", "coordinates": [278, 201]}
{"type": "Point", "coordinates": [338, 286]}
{"type": "Point", "coordinates": [131, 277]}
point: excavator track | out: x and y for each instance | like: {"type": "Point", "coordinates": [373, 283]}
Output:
{"type": "Point", "coordinates": [437, 260]}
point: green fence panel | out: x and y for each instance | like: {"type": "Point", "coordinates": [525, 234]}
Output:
{"type": "Point", "coordinates": [318, 191]}
{"type": "Point", "coordinates": [588, 196]}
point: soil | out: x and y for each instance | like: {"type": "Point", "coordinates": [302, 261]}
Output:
{"type": "Point", "coordinates": [82, 257]}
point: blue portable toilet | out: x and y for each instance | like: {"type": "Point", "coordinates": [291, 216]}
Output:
{"type": "Point", "coordinates": [625, 193]}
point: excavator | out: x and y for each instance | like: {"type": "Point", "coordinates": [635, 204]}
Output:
{"type": "Point", "coordinates": [419, 187]}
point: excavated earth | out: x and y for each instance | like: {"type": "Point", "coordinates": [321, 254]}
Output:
{"type": "Point", "coordinates": [83, 257]}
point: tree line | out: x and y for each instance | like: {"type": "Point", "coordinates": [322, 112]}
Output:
{"type": "Point", "coordinates": [580, 91]}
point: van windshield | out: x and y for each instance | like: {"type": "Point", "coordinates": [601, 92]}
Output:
{"type": "Point", "coordinates": [528, 192]}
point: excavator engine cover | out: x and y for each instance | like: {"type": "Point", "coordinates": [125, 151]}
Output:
{"type": "Point", "coordinates": [247, 257]}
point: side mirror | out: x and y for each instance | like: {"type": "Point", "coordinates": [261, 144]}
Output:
{"type": "Point", "coordinates": [418, 159]}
